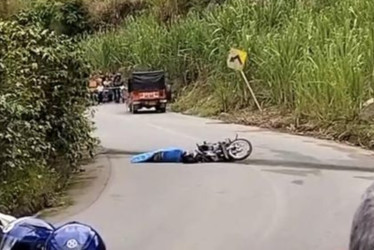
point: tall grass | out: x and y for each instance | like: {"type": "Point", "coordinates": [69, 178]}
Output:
{"type": "Point", "coordinates": [314, 57]}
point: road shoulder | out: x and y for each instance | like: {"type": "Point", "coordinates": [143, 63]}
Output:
{"type": "Point", "coordinates": [83, 191]}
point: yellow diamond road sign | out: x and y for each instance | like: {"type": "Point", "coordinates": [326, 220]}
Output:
{"type": "Point", "coordinates": [236, 59]}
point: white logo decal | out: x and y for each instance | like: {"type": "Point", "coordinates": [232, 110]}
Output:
{"type": "Point", "coordinates": [72, 244]}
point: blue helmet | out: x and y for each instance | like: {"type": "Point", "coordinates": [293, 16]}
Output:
{"type": "Point", "coordinates": [75, 236]}
{"type": "Point", "coordinates": [26, 233]}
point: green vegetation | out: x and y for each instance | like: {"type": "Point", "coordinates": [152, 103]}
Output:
{"type": "Point", "coordinates": [312, 60]}
{"type": "Point", "coordinates": [83, 15]}
{"type": "Point", "coordinates": [44, 130]}
{"type": "Point", "coordinates": [68, 17]}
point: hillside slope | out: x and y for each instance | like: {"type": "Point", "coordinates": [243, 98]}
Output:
{"type": "Point", "coordinates": [310, 62]}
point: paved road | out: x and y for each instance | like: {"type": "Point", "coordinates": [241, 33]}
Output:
{"type": "Point", "coordinates": [295, 193]}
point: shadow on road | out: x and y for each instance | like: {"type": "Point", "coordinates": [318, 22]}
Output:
{"type": "Point", "coordinates": [300, 164]}
{"type": "Point", "coordinates": [262, 162]}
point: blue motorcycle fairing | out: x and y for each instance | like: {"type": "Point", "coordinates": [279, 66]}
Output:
{"type": "Point", "coordinates": [26, 233]}
{"type": "Point", "coordinates": [75, 236]}
{"type": "Point", "coordinates": [161, 155]}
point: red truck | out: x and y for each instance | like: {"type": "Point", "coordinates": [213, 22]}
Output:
{"type": "Point", "coordinates": [147, 89]}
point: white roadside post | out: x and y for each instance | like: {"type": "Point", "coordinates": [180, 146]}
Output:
{"type": "Point", "coordinates": [236, 60]}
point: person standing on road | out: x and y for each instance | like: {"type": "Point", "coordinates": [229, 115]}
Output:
{"type": "Point", "coordinates": [100, 91]}
{"type": "Point", "coordinates": [107, 88]}
{"type": "Point", "coordinates": [117, 83]}
{"type": "Point", "coordinates": [93, 89]}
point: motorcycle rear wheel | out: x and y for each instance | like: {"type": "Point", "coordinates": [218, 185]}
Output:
{"type": "Point", "coordinates": [232, 149]}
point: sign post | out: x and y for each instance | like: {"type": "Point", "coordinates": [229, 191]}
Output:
{"type": "Point", "coordinates": [236, 60]}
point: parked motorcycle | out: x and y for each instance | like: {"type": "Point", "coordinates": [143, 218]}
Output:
{"type": "Point", "coordinates": [223, 151]}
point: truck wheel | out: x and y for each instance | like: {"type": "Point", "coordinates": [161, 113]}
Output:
{"type": "Point", "coordinates": [162, 110]}
{"type": "Point", "coordinates": [134, 109]}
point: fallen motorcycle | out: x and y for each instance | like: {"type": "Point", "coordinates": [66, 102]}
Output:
{"type": "Point", "coordinates": [223, 151]}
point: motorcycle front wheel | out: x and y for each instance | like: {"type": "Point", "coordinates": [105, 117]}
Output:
{"type": "Point", "coordinates": [240, 149]}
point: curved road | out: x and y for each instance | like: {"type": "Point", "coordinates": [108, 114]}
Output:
{"type": "Point", "coordinates": [294, 193]}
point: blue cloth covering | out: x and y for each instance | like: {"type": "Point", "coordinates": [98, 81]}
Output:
{"type": "Point", "coordinates": [161, 155]}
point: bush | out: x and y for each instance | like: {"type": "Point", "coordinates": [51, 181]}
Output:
{"type": "Point", "coordinates": [67, 17]}
{"type": "Point", "coordinates": [44, 132]}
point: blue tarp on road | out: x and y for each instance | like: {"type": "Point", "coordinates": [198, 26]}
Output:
{"type": "Point", "coordinates": [161, 155]}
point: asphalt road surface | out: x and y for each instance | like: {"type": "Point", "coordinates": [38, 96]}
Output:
{"type": "Point", "coordinates": [294, 193]}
